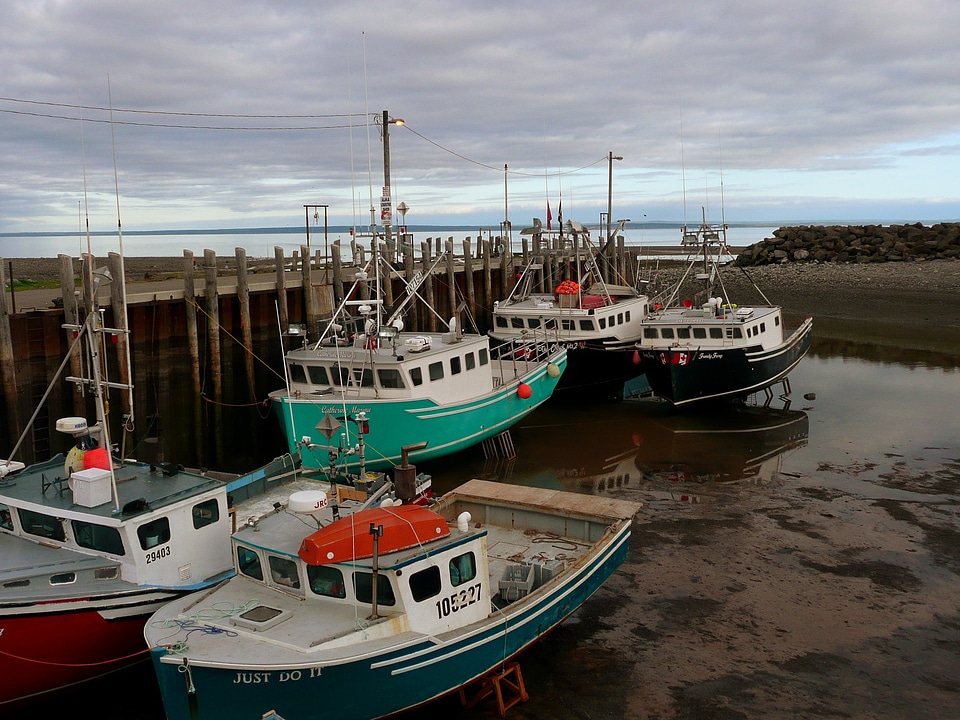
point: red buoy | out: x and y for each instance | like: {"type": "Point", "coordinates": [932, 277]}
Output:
{"type": "Point", "coordinates": [524, 391]}
{"type": "Point", "coordinates": [96, 458]}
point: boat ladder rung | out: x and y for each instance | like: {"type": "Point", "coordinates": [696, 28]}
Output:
{"type": "Point", "coordinates": [499, 446]}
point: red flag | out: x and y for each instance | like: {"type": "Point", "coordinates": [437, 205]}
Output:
{"type": "Point", "coordinates": [549, 215]}
{"type": "Point", "coordinates": [560, 214]}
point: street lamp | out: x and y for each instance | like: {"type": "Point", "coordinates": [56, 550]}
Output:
{"type": "Point", "coordinates": [610, 158]}
{"type": "Point", "coordinates": [386, 216]}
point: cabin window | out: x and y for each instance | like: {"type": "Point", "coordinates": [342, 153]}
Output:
{"type": "Point", "coordinates": [297, 373]}
{"type": "Point", "coordinates": [650, 333]}
{"type": "Point", "coordinates": [6, 521]}
{"type": "Point", "coordinates": [567, 324]}
{"type": "Point", "coordinates": [550, 324]}
{"type": "Point", "coordinates": [340, 376]}
{"type": "Point", "coordinates": [363, 377]}
{"type": "Point", "coordinates": [501, 321]}
{"type": "Point", "coordinates": [156, 532]}
{"type": "Point", "coordinates": [471, 361]}
{"type": "Point", "coordinates": [363, 588]}
{"type": "Point", "coordinates": [416, 376]}
{"type": "Point", "coordinates": [318, 375]}
{"type": "Point", "coordinates": [517, 323]}
{"type": "Point", "coordinates": [602, 322]}
{"type": "Point", "coordinates": [425, 584]}
{"type": "Point", "coordinates": [763, 327]}
{"type": "Point", "coordinates": [626, 316]}
{"type": "Point", "coordinates": [776, 321]}
{"type": "Point", "coordinates": [749, 332]}
{"type": "Point", "coordinates": [97, 537]}
{"type": "Point", "coordinates": [248, 563]}
{"type": "Point", "coordinates": [533, 323]}
{"type": "Point", "coordinates": [455, 366]}
{"type": "Point", "coordinates": [41, 525]}
{"type": "Point", "coordinates": [17, 584]}
{"type": "Point", "coordinates": [283, 571]}
{"type": "Point", "coordinates": [667, 333]}
{"type": "Point", "coordinates": [65, 578]}
{"type": "Point", "coordinates": [435, 370]}
{"type": "Point", "coordinates": [390, 378]}
{"type": "Point", "coordinates": [716, 333]}
{"type": "Point", "coordinates": [326, 580]}
{"type": "Point", "coordinates": [700, 333]}
{"type": "Point", "coordinates": [737, 333]}
{"type": "Point", "coordinates": [586, 325]}
{"type": "Point", "coordinates": [205, 513]}
{"type": "Point", "coordinates": [463, 568]}
{"type": "Point", "coordinates": [683, 333]}
{"type": "Point", "coordinates": [108, 573]}
{"type": "Point", "coordinates": [484, 357]}
{"type": "Point", "coordinates": [619, 318]}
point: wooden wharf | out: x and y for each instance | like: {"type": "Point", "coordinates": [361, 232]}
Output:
{"type": "Point", "coordinates": [207, 344]}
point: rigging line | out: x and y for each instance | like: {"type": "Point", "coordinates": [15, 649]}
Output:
{"type": "Point", "coordinates": [366, 107]}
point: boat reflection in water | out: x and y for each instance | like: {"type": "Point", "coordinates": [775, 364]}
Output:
{"type": "Point", "coordinates": [649, 442]}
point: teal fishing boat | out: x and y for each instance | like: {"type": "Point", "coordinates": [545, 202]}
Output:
{"type": "Point", "coordinates": [367, 388]}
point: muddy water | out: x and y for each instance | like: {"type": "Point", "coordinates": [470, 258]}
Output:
{"type": "Point", "coordinates": [796, 561]}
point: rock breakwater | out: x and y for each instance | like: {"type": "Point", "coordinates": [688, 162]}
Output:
{"type": "Point", "coordinates": [855, 243]}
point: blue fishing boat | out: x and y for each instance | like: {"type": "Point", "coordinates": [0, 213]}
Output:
{"type": "Point", "coordinates": [367, 388]}
{"type": "Point", "coordinates": [386, 608]}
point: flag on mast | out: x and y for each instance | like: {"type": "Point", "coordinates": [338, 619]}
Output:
{"type": "Point", "coordinates": [549, 215]}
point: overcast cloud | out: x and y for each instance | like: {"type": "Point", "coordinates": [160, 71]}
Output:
{"type": "Point", "coordinates": [808, 111]}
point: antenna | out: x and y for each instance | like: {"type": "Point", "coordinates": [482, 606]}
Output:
{"type": "Point", "coordinates": [129, 421]}
{"type": "Point", "coordinates": [366, 109]}
{"type": "Point", "coordinates": [683, 170]}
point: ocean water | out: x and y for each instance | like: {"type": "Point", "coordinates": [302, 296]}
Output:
{"type": "Point", "coordinates": [261, 242]}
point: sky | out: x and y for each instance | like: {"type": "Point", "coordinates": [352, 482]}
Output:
{"type": "Point", "coordinates": [230, 113]}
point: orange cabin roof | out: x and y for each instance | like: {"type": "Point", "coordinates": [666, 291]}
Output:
{"type": "Point", "coordinates": [349, 538]}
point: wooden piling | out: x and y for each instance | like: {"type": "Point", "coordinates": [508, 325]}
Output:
{"type": "Point", "coordinates": [309, 303]}
{"type": "Point", "coordinates": [429, 319]}
{"type": "Point", "coordinates": [119, 305]}
{"type": "Point", "coordinates": [213, 340]}
{"type": "Point", "coordinates": [408, 263]}
{"type": "Point", "coordinates": [487, 280]}
{"type": "Point", "coordinates": [243, 294]}
{"type": "Point", "coordinates": [337, 262]}
{"type": "Point", "coordinates": [451, 278]}
{"type": "Point", "coordinates": [7, 363]}
{"type": "Point", "coordinates": [282, 308]}
{"type": "Point", "coordinates": [193, 340]}
{"type": "Point", "coordinates": [468, 280]}
{"type": "Point", "coordinates": [71, 316]}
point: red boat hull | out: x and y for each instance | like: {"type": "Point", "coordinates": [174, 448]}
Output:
{"type": "Point", "coordinates": [47, 648]}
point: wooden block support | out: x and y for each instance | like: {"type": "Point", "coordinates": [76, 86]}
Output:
{"type": "Point", "coordinates": [505, 685]}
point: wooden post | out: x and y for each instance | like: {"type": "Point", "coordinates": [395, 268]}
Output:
{"type": "Point", "coordinates": [190, 301]}
{"type": "Point", "coordinates": [384, 266]}
{"type": "Point", "coordinates": [504, 267]}
{"type": "Point", "coordinates": [7, 363]}
{"type": "Point", "coordinates": [468, 280]}
{"type": "Point", "coordinates": [243, 294]}
{"type": "Point", "coordinates": [337, 263]}
{"type": "Point", "coordinates": [71, 316]}
{"type": "Point", "coordinates": [622, 258]}
{"type": "Point", "coordinates": [282, 308]}
{"type": "Point", "coordinates": [213, 339]}
{"type": "Point", "coordinates": [120, 321]}
{"type": "Point", "coordinates": [408, 261]}
{"type": "Point", "coordinates": [451, 278]}
{"type": "Point", "coordinates": [487, 281]}
{"type": "Point", "coordinates": [430, 320]}
{"type": "Point", "coordinates": [309, 305]}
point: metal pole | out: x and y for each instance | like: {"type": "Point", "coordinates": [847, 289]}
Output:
{"type": "Point", "coordinates": [609, 192]}
{"type": "Point", "coordinates": [388, 224]}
